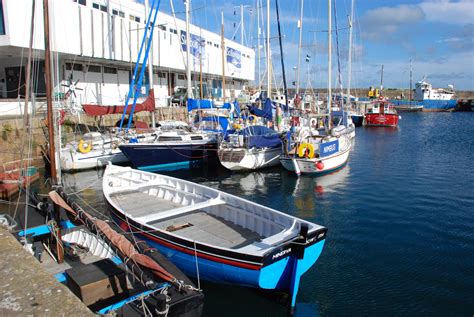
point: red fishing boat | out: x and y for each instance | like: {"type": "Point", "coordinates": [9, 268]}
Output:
{"type": "Point", "coordinates": [381, 113]}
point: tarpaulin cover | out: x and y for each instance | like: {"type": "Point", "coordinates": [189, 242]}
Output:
{"type": "Point", "coordinates": [260, 136]}
{"type": "Point", "coordinates": [265, 113]}
{"type": "Point", "coordinates": [197, 104]}
{"type": "Point", "coordinates": [100, 110]}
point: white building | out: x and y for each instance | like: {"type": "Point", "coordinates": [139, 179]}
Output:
{"type": "Point", "coordinates": [97, 42]}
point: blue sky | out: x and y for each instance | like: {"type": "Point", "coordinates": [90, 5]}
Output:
{"type": "Point", "coordinates": [437, 35]}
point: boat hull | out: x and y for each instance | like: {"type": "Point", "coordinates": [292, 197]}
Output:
{"type": "Point", "coordinates": [357, 120]}
{"type": "Point", "coordinates": [309, 166]}
{"type": "Point", "coordinates": [381, 120]}
{"type": "Point", "coordinates": [431, 105]}
{"type": "Point", "coordinates": [76, 161]}
{"type": "Point", "coordinates": [207, 265]}
{"type": "Point", "coordinates": [169, 156]}
{"type": "Point", "coordinates": [241, 159]}
{"type": "Point", "coordinates": [409, 108]}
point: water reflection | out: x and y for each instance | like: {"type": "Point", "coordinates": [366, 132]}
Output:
{"type": "Point", "coordinates": [308, 190]}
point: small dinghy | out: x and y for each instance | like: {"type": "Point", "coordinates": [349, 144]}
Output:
{"type": "Point", "coordinates": [213, 235]}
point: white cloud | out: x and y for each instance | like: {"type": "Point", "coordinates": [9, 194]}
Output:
{"type": "Point", "coordinates": [380, 22]}
{"type": "Point", "coordinates": [449, 12]}
{"type": "Point", "coordinates": [454, 69]}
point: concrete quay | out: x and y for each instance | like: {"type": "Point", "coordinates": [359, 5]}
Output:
{"type": "Point", "coordinates": [27, 290]}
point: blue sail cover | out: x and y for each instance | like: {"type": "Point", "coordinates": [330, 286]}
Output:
{"type": "Point", "coordinates": [265, 113]}
{"type": "Point", "coordinates": [261, 136]}
{"type": "Point", "coordinates": [197, 104]}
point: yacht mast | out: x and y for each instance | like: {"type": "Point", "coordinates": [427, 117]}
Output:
{"type": "Point", "coordinates": [269, 68]}
{"type": "Point", "coordinates": [49, 99]}
{"type": "Point", "coordinates": [187, 4]}
{"type": "Point", "coordinates": [223, 54]}
{"type": "Point", "coordinates": [410, 79]}
{"type": "Point", "coordinates": [349, 67]}
{"type": "Point", "coordinates": [329, 57]}
{"type": "Point", "coordinates": [259, 2]}
{"type": "Point", "coordinates": [150, 68]}
{"type": "Point", "coordinates": [300, 25]}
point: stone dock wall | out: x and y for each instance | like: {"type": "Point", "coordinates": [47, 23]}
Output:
{"type": "Point", "coordinates": [13, 132]}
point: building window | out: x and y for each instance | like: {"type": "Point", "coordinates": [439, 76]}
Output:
{"type": "Point", "coordinates": [118, 12]}
{"type": "Point", "coordinates": [94, 69]}
{"type": "Point", "coordinates": [103, 8]}
{"type": "Point", "coordinates": [181, 77]}
{"type": "Point", "coordinates": [110, 70]}
{"type": "Point", "coordinates": [162, 27]}
{"type": "Point", "coordinates": [76, 67]}
{"type": "Point", "coordinates": [209, 43]}
{"type": "Point", "coordinates": [173, 31]}
{"type": "Point", "coordinates": [81, 2]}
{"type": "Point", "coordinates": [161, 75]}
{"type": "Point", "coordinates": [134, 18]}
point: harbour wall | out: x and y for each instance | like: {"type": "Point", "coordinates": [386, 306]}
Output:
{"type": "Point", "coordinates": [14, 136]}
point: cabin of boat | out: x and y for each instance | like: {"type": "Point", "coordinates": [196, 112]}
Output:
{"type": "Point", "coordinates": [381, 113]}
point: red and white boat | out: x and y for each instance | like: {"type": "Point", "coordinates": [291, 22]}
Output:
{"type": "Point", "coordinates": [381, 113]}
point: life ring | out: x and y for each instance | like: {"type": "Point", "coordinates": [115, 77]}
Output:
{"type": "Point", "coordinates": [252, 119]}
{"type": "Point", "coordinates": [313, 122]}
{"type": "Point", "coordinates": [84, 147]}
{"type": "Point", "coordinates": [303, 148]}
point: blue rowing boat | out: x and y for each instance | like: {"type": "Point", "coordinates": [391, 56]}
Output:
{"type": "Point", "coordinates": [213, 235]}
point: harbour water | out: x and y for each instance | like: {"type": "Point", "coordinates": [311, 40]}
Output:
{"type": "Point", "coordinates": [400, 219]}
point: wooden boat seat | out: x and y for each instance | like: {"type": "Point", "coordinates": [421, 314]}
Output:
{"type": "Point", "coordinates": [140, 204]}
{"type": "Point", "coordinates": [153, 216]}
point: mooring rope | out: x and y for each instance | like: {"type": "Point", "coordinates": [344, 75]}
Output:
{"type": "Point", "coordinates": [197, 266]}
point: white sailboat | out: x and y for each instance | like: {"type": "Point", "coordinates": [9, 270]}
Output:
{"type": "Point", "coordinates": [318, 151]}
{"type": "Point", "coordinates": [251, 148]}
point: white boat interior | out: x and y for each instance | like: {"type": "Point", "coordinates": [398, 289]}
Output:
{"type": "Point", "coordinates": [198, 213]}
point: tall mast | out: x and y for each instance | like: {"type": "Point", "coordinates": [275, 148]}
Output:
{"type": "Point", "coordinates": [281, 54]}
{"type": "Point", "coordinates": [258, 44]}
{"type": "Point", "coordinates": [329, 56]}
{"type": "Point", "coordinates": [241, 25]}
{"type": "Point", "coordinates": [349, 67]}
{"type": "Point", "coordinates": [381, 81]}
{"type": "Point", "coordinates": [223, 54]}
{"type": "Point", "coordinates": [300, 25]}
{"type": "Point", "coordinates": [28, 68]}
{"type": "Point", "coordinates": [410, 79]}
{"type": "Point", "coordinates": [49, 101]}
{"type": "Point", "coordinates": [269, 68]}
{"type": "Point", "coordinates": [188, 50]}
{"type": "Point", "coordinates": [150, 67]}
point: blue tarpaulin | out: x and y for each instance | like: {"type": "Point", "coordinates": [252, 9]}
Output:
{"type": "Point", "coordinates": [261, 136]}
{"type": "Point", "coordinates": [265, 113]}
{"type": "Point", "coordinates": [197, 104]}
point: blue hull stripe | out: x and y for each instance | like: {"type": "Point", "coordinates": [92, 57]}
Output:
{"type": "Point", "coordinates": [168, 166]}
{"type": "Point", "coordinates": [274, 276]}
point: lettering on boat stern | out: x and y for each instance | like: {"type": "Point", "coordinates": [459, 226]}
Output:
{"type": "Point", "coordinates": [281, 253]}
